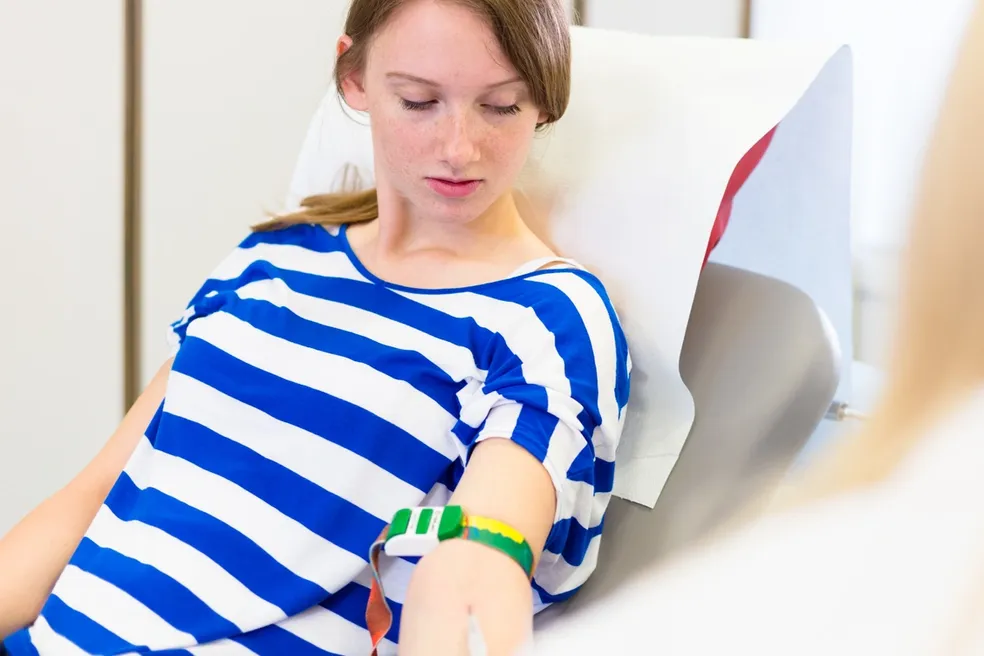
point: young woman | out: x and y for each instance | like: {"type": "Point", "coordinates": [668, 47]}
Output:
{"type": "Point", "coordinates": [882, 549]}
{"type": "Point", "coordinates": [413, 345]}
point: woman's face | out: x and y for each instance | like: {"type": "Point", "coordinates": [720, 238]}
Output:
{"type": "Point", "coordinates": [452, 123]}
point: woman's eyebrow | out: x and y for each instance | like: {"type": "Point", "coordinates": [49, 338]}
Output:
{"type": "Point", "coordinates": [407, 77]}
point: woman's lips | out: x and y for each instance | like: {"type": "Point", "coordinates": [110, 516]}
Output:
{"type": "Point", "coordinates": [453, 188]}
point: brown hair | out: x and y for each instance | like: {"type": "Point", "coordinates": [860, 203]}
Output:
{"type": "Point", "coordinates": [533, 34]}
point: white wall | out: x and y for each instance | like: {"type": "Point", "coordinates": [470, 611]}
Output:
{"type": "Point", "coordinates": [230, 86]}
{"type": "Point", "coordinates": [719, 18]}
{"type": "Point", "coordinates": [61, 193]}
{"type": "Point", "coordinates": [903, 52]}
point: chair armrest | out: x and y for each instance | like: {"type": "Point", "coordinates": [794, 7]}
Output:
{"type": "Point", "coordinates": [762, 363]}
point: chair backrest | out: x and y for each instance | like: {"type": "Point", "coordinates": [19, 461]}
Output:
{"type": "Point", "coordinates": [628, 183]}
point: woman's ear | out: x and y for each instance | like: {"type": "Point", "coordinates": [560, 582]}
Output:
{"type": "Point", "coordinates": [353, 86]}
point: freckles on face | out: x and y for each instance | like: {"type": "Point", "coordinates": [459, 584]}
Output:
{"type": "Point", "coordinates": [413, 142]}
{"type": "Point", "coordinates": [398, 143]}
{"type": "Point", "coordinates": [445, 102]}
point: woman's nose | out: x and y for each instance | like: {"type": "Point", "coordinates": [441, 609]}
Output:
{"type": "Point", "coordinates": [459, 141]}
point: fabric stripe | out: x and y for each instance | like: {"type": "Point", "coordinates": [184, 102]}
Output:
{"type": "Point", "coordinates": [548, 297]}
{"type": "Point", "coordinates": [519, 394]}
{"type": "Point", "coordinates": [303, 416]}
{"type": "Point", "coordinates": [235, 553]}
{"type": "Point", "coordinates": [601, 334]}
{"type": "Point", "coordinates": [116, 611]}
{"type": "Point", "coordinates": [578, 541]}
{"type": "Point", "coordinates": [351, 601]}
{"type": "Point", "coordinates": [546, 599]}
{"type": "Point", "coordinates": [461, 329]}
{"type": "Point", "coordinates": [532, 344]}
{"type": "Point", "coordinates": [19, 644]}
{"type": "Point", "coordinates": [221, 648]}
{"type": "Point", "coordinates": [273, 641]}
{"type": "Point", "coordinates": [161, 595]}
{"type": "Point", "coordinates": [561, 576]}
{"type": "Point", "coordinates": [379, 301]}
{"type": "Point", "coordinates": [205, 578]}
{"type": "Point", "coordinates": [330, 632]}
{"type": "Point", "coordinates": [395, 573]}
{"type": "Point", "coordinates": [287, 256]}
{"type": "Point", "coordinates": [314, 508]}
{"type": "Point", "coordinates": [580, 468]}
{"type": "Point", "coordinates": [604, 478]}
{"type": "Point", "coordinates": [312, 237]}
{"type": "Point", "coordinates": [590, 515]}
{"type": "Point", "coordinates": [339, 377]}
{"type": "Point", "coordinates": [564, 446]}
{"type": "Point", "coordinates": [455, 359]}
{"type": "Point", "coordinates": [47, 641]}
{"type": "Point", "coordinates": [324, 463]}
{"type": "Point", "coordinates": [440, 494]}
{"type": "Point", "coordinates": [623, 360]}
{"type": "Point", "coordinates": [318, 560]}
{"type": "Point", "coordinates": [408, 366]}
{"type": "Point", "coordinates": [600, 327]}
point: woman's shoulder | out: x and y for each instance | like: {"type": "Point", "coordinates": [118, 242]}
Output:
{"type": "Point", "coordinates": [305, 235]}
{"type": "Point", "coordinates": [560, 272]}
{"type": "Point", "coordinates": [567, 293]}
{"type": "Point", "coordinates": [566, 316]}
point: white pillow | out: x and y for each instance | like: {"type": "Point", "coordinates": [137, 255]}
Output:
{"type": "Point", "coordinates": [634, 173]}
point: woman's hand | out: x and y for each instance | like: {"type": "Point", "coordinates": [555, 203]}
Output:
{"type": "Point", "coordinates": [504, 482]}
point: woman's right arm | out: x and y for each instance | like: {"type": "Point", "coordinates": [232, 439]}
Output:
{"type": "Point", "coordinates": [34, 553]}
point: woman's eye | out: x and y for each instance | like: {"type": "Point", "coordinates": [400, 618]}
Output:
{"type": "Point", "coordinates": [416, 106]}
{"type": "Point", "coordinates": [500, 110]}
{"type": "Point", "coordinates": [504, 111]}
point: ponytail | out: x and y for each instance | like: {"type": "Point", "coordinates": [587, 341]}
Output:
{"type": "Point", "coordinates": [350, 205]}
{"type": "Point", "coordinates": [328, 210]}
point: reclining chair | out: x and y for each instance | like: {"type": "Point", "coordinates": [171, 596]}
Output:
{"type": "Point", "coordinates": [733, 370]}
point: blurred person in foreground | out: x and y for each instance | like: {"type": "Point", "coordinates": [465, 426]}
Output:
{"type": "Point", "coordinates": [880, 548]}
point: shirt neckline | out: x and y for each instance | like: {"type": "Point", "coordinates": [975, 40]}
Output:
{"type": "Point", "coordinates": [373, 278]}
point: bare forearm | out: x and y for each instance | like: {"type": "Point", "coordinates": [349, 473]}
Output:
{"type": "Point", "coordinates": [458, 579]}
{"type": "Point", "coordinates": [503, 482]}
{"type": "Point", "coordinates": [35, 552]}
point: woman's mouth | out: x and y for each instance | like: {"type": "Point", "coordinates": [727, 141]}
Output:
{"type": "Point", "coordinates": [453, 188]}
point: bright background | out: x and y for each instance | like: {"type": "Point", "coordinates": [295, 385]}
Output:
{"type": "Point", "coordinates": [228, 89]}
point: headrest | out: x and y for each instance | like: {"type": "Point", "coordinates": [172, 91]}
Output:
{"type": "Point", "coordinates": [628, 183]}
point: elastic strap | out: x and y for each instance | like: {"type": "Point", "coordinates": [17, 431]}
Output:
{"type": "Point", "coordinates": [541, 263]}
{"type": "Point", "coordinates": [456, 525]}
{"type": "Point", "coordinates": [379, 616]}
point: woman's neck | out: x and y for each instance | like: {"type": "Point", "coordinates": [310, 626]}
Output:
{"type": "Point", "coordinates": [405, 248]}
{"type": "Point", "coordinates": [402, 232]}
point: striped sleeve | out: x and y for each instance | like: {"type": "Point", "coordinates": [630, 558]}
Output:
{"type": "Point", "coordinates": [201, 304]}
{"type": "Point", "coordinates": [226, 277]}
{"type": "Point", "coordinates": [559, 387]}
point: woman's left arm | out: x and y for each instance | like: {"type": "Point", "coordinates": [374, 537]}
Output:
{"type": "Point", "coordinates": [503, 481]}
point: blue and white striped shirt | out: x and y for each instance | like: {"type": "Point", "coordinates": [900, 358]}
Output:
{"type": "Point", "coordinates": [308, 401]}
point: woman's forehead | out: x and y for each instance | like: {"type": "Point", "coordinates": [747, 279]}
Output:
{"type": "Point", "coordinates": [442, 43]}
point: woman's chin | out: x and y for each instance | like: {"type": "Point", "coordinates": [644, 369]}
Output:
{"type": "Point", "coordinates": [458, 211]}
